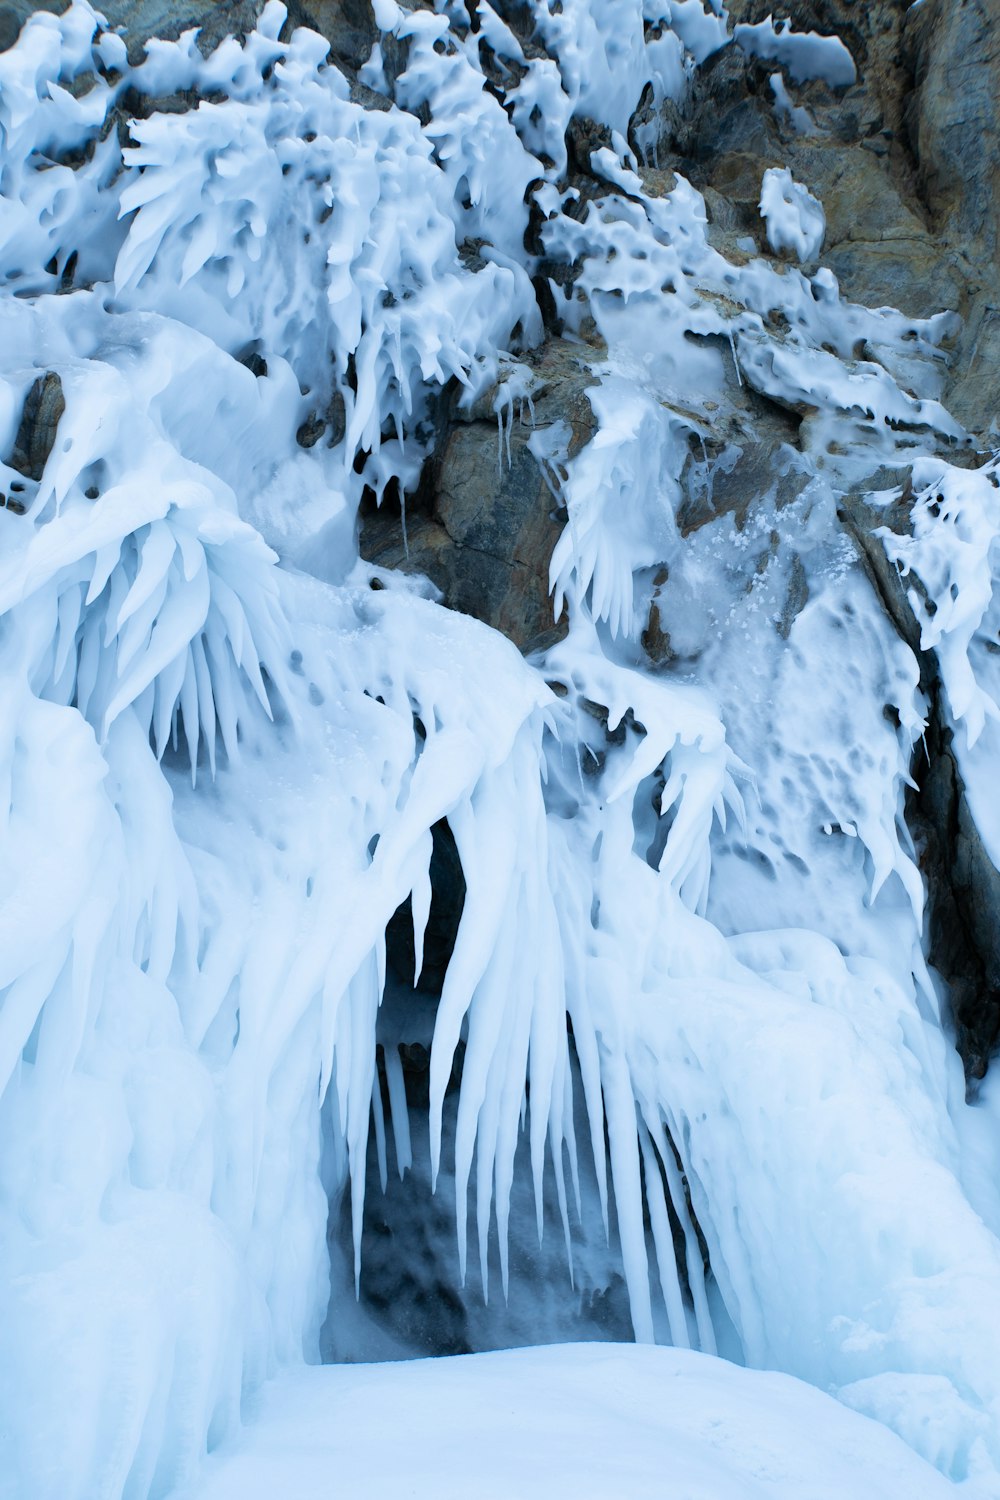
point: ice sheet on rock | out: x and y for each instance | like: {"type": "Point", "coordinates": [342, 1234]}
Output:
{"type": "Point", "coordinates": [482, 158]}
{"type": "Point", "coordinates": [55, 207]}
{"type": "Point", "coordinates": [376, 302]}
{"type": "Point", "coordinates": [660, 294]}
{"type": "Point", "coordinates": [606, 60]}
{"type": "Point", "coordinates": [650, 278]}
{"type": "Point", "coordinates": [620, 493]}
{"type": "Point", "coordinates": [794, 115]}
{"type": "Point", "coordinates": [949, 564]}
{"type": "Point", "coordinates": [701, 28]}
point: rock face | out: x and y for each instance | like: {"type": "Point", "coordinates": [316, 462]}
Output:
{"type": "Point", "coordinates": [850, 146]}
{"type": "Point", "coordinates": [954, 52]}
{"type": "Point", "coordinates": [143, 19]}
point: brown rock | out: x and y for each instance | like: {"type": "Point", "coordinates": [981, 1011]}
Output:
{"type": "Point", "coordinates": [486, 537]}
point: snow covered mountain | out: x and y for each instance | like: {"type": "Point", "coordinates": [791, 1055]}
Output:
{"type": "Point", "coordinates": [500, 682]}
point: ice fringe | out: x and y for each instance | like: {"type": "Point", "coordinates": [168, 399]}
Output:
{"type": "Point", "coordinates": [187, 970]}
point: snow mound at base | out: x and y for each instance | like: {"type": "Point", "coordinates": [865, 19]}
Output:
{"type": "Point", "coordinates": [572, 1419]}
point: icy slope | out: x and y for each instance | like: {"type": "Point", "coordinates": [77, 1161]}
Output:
{"type": "Point", "coordinates": [685, 1020]}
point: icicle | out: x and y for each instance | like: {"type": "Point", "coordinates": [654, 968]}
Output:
{"type": "Point", "coordinates": [663, 1241]}
{"type": "Point", "coordinates": [694, 1263]}
{"type": "Point", "coordinates": [624, 1147]}
{"type": "Point", "coordinates": [398, 1110]}
{"type": "Point", "coordinates": [568, 1135]}
{"type": "Point", "coordinates": [420, 903]}
{"type": "Point", "coordinates": [486, 1024]}
{"type": "Point", "coordinates": [378, 1115]}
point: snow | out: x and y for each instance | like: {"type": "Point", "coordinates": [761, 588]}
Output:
{"type": "Point", "coordinates": [587, 1420]}
{"type": "Point", "coordinates": [688, 997]}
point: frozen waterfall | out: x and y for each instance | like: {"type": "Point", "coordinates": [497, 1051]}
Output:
{"type": "Point", "coordinates": [603, 967]}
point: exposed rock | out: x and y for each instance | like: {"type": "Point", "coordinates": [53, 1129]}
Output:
{"type": "Point", "coordinates": [10, 26]}
{"type": "Point", "coordinates": [855, 156]}
{"type": "Point", "coordinates": [964, 892]}
{"type": "Point", "coordinates": [486, 534]}
{"type": "Point", "coordinates": [655, 640]}
{"type": "Point", "coordinates": [142, 19]}
{"type": "Point", "coordinates": [973, 393]}
{"type": "Point", "coordinates": [348, 25]}
{"type": "Point", "coordinates": [447, 903]}
{"type": "Point", "coordinates": [43, 407]}
{"type": "Point", "coordinates": [952, 115]}
{"type": "Point", "coordinates": [746, 455]}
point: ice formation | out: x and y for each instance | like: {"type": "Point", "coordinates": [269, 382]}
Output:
{"type": "Point", "coordinates": [806, 54]}
{"type": "Point", "coordinates": [689, 969]}
{"type": "Point", "coordinates": [794, 218]}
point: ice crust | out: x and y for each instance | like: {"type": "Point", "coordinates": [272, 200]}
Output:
{"type": "Point", "coordinates": [222, 753]}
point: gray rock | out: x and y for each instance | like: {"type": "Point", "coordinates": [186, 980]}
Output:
{"type": "Point", "coordinates": [43, 407]}
{"type": "Point", "coordinates": [348, 25]}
